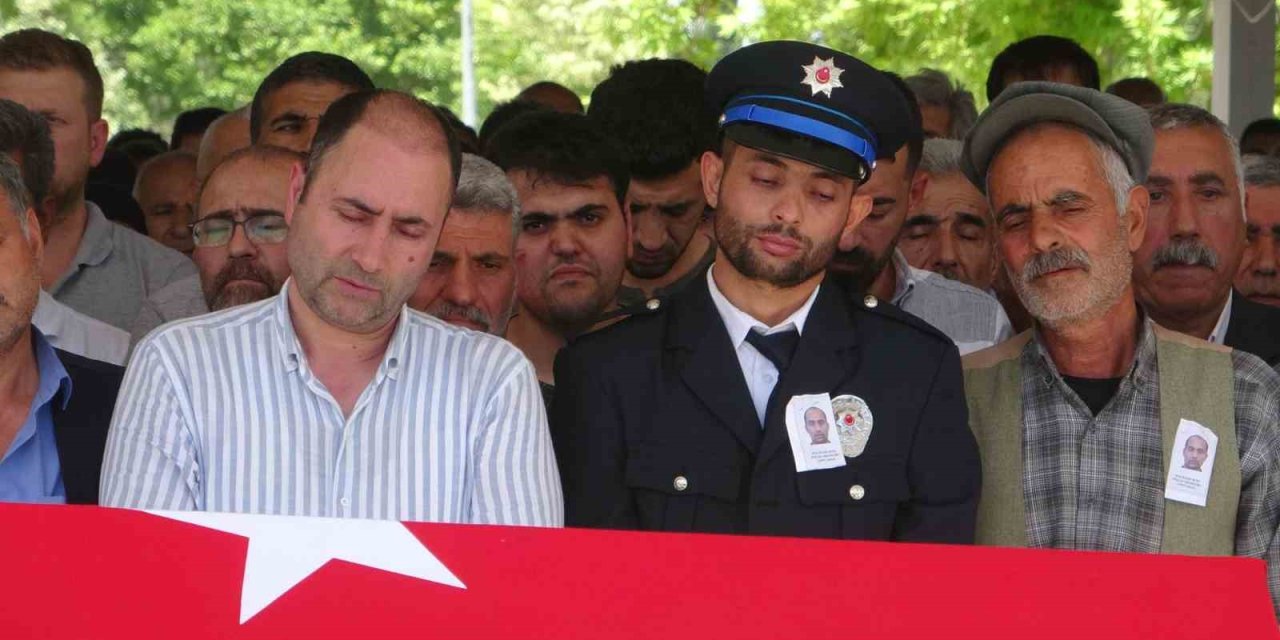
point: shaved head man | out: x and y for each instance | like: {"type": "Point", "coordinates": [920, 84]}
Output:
{"type": "Point", "coordinates": [166, 191]}
{"type": "Point", "coordinates": [238, 237]}
{"type": "Point", "coordinates": [816, 425]}
{"type": "Point", "coordinates": [241, 231]}
{"type": "Point", "coordinates": [1195, 453]}
{"type": "Point", "coordinates": [228, 133]}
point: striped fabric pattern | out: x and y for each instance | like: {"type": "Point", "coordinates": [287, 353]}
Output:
{"type": "Point", "coordinates": [222, 413]}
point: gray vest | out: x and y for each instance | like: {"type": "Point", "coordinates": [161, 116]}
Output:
{"type": "Point", "coordinates": [1196, 383]}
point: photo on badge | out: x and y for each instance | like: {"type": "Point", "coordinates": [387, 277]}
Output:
{"type": "Point", "coordinates": [812, 432]}
{"type": "Point", "coordinates": [1191, 463]}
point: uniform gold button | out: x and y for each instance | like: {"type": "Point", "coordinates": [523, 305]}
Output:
{"type": "Point", "coordinates": [857, 492]}
{"type": "Point", "coordinates": [870, 301]}
{"type": "Point", "coordinates": [680, 483]}
{"type": "Point", "coordinates": [653, 304]}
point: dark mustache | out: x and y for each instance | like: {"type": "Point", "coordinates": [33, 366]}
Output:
{"type": "Point", "coordinates": [1190, 252]}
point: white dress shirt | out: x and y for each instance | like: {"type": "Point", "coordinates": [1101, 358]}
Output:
{"type": "Point", "coordinates": [74, 332]}
{"type": "Point", "coordinates": [222, 412]}
{"type": "Point", "coordinates": [1219, 334]}
{"type": "Point", "coordinates": [759, 372]}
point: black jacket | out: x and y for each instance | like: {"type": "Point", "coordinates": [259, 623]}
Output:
{"type": "Point", "coordinates": [1254, 328]}
{"type": "Point", "coordinates": [662, 396]}
{"type": "Point", "coordinates": [80, 430]}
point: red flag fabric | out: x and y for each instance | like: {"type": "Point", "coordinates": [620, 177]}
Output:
{"type": "Point", "coordinates": [87, 572]}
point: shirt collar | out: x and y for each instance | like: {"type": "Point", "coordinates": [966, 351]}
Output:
{"type": "Point", "coordinates": [907, 277]}
{"type": "Point", "coordinates": [292, 354]}
{"type": "Point", "coordinates": [1140, 370]}
{"type": "Point", "coordinates": [1219, 334]}
{"type": "Point", "coordinates": [97, 243]}
{"type": "Point", "coordinates": [54, 379]}
{"type": "Point", "coordinates": [738, 322]}
{"type": "Point", "coordinates": [47, 317]}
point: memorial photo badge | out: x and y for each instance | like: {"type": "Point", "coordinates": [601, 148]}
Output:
{"type": "Point", "coordinates": [853, 423]}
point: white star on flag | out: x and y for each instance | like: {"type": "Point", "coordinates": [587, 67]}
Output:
{"type": "Point", "coordinates": [822, 76]}
{"type": "Point", "coordinates": [285, 550]}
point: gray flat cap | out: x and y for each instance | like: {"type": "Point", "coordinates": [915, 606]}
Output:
{"type": "Point", "coordinates": [1118, 122]}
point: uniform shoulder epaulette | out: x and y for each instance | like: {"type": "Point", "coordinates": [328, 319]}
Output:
{"type": "Point", "coordinates": [880, 308]}
{"type": "Point", "coordinates": [614, 316]}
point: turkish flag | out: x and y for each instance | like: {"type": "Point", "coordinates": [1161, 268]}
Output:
{"type": "Point", "coordinates": [87, 572]}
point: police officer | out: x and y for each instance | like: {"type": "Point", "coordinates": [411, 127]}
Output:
{"type": "Point", "coordinates": [691, 417]}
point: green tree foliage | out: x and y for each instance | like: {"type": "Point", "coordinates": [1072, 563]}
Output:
{"type": "Point", "coordinates": [163, 56]}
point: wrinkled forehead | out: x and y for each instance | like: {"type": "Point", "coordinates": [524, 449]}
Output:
{"type": "Point", "coordinates": [477, 231]}
{"type": "Point", "coordinates": [247, 183]}
{"type": "Point", "coordinates": [1192, 152]}
{"type": "Point", "coordinates": [1039, 153]}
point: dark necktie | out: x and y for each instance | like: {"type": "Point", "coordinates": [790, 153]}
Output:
{"type": "Point", "coordinates": [777, 347]}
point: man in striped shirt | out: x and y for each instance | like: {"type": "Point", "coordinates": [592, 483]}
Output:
{"type": "Point", "coordinates": [333, 398]}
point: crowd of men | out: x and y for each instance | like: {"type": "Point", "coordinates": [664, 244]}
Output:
{"type": "Point", "coordinates": [792, 295]}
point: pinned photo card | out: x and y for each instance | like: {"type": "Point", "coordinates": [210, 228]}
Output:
{"type": "Point", "coordinates": [811, 428]}
{"type": "Point", "coordinates": [1191, 463]}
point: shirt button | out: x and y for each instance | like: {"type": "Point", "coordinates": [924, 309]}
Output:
{"type": "Point", "coordinates": [653, 304]}
{"type": "Point", "coordinates": [345, 502]}
{"type": "Point", "coordinates": [680, 483]}
{"type": "Point", "coordinates": [870, 301]}
{"type": "Point", "coordinates": [857, 492]}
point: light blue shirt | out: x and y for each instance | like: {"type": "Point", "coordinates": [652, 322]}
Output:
{"type": "Point", "coordinates": [222, 412]}
{"type": "Point", "coordinates": [30, 470]}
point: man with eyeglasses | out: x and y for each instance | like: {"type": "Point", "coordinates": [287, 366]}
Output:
{"type": "Point", "coordinates": [238, 235]}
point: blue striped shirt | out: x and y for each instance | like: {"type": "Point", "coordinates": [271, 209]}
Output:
{"type": "Point", "coordinates": [222, 413]}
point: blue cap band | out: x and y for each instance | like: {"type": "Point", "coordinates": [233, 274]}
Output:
{"type": "Point", "coordinates": [842, 138]}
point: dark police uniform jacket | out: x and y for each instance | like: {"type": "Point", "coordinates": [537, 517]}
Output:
{"type": "Point", "coordinates": [654, 428]}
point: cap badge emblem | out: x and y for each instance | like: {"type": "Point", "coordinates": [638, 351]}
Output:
{"type": "Point", "coordinates": [822, 76]}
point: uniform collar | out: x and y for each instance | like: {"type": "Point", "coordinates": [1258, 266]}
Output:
{"type": "Point", "coordinates": [738, 322]}
{"type": "Point", "coordinates": [294, 357]}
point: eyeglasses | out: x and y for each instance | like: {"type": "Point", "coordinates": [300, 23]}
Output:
{"type": "Point", "coordinates": [261, 228]}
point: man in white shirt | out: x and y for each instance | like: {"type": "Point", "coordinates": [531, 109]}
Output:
{"type": "Point", "coordinates": [333, 398]}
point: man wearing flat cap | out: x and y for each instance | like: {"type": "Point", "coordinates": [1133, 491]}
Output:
{"type": "Point", "coordinates": [677, 420]}
{"type": "Point", "coordinates": [1079, 418]}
